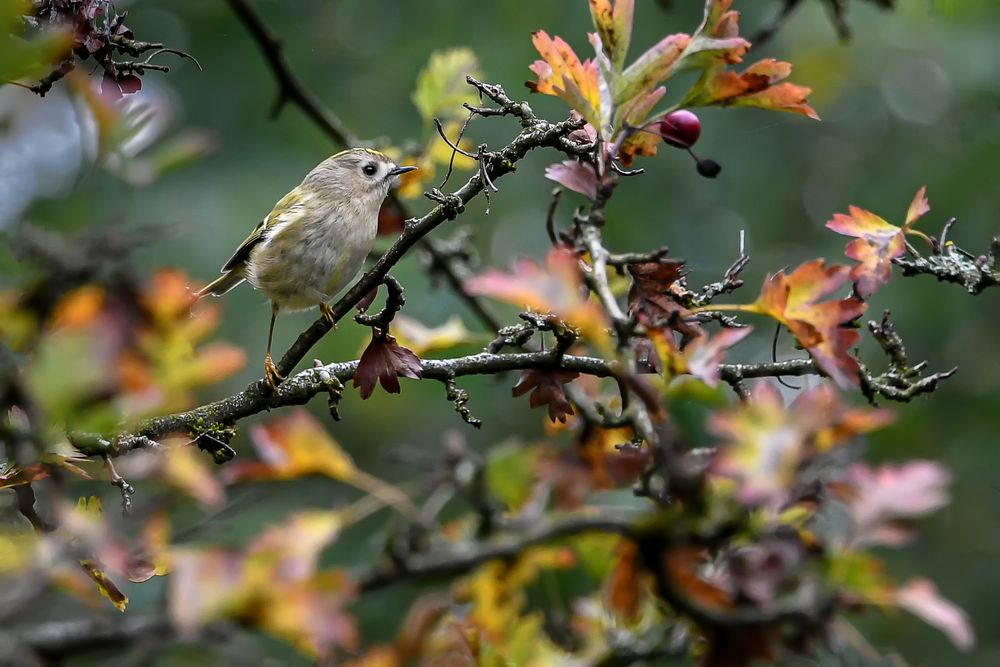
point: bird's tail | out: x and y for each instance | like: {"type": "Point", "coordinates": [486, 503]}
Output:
{"type": "Point", "coordinates": [221, 285]}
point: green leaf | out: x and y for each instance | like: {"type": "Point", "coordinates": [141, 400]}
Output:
{"type": "Point", "coordinates": [652, 67]}
{"type": "Point", "coordinates": [441, 86]}
{"type": "Point", "coordinates": [510, 473]}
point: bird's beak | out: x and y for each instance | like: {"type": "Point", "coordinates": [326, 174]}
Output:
{"type": "Point", "coordinates": [396, 171]}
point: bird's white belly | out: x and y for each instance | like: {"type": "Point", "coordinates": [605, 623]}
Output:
{"type": "Point", "coordinates": [303, 266]}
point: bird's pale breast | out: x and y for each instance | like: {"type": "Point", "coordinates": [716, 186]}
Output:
{"type": "Point", "coordinates": [302, 265]}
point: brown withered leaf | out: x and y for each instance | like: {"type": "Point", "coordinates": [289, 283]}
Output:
{"type": "Point", "coordinates": [384, 361]}
{"type": "Point", "coordinates": [547, 386]}
{"type": "Point", "coordinates": [650, 298]}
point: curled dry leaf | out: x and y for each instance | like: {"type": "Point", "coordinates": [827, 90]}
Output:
{"type": "Point", "coordinates": [651, 297]}
{"type": "Point", "coordinates": [383, 362]}
{"type": "Point", "coordinates": [546, 389]}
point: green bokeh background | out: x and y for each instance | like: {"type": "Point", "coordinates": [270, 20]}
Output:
{"type": "Point", "coordinates": [913, 99]}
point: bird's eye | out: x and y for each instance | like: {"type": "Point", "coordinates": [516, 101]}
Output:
{"type": "Point", "coordinates": [370, 169]}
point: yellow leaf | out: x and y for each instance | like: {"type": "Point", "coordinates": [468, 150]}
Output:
{"type": "Point", "coordinates": [104, 584]}
{"type": "Point", "coordinates": [186, 469]}
{"type": "Point", "coordinates": [293, 446]}
{"type": "Point", "coordinates": [419, 338]}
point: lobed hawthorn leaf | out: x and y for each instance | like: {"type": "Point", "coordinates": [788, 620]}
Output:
{"type": "Point", "coordinates": [795, 300]}
{"type": "Point", "coordinates": [877, 242]}
{"type": "Point", "coordinates": [383, 362]}
{"type": "Point", "coordinates": [561, 73]}
{"type": "Point", "coordinates": [758, 86]}
{"type": "Point", "coordinates": [702, 356]}
{"type": "Point", "coordinates": [651, 68]}
{"type": "Point", "coordinates": [717, 40]}
{"type": "Point", "coordinates": [546, 389]}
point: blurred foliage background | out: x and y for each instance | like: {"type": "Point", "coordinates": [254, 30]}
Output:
{"type": "Point", "coordinates": [912, 99]}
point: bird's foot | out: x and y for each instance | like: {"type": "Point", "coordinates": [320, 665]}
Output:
{"type": "Point", "coordinates": [271, 375]}
{"type": "Point", "coordinates": [327, 312]}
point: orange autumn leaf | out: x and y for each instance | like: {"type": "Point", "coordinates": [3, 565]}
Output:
{"type": "Point", "coordinates": [877, 242]}
{"type": "Point", "coordinates": [79, 308]}
{"type": "Point", "coordinates": [561, 73]}
{"type": "Point", "coordinates": [682, 566]}
{"type": "Point", "coordinates": [626, 586]}
{"type": "Point", "coordinates": [757, 86]}
{"type": "Point", "coordinates": [796, 300]}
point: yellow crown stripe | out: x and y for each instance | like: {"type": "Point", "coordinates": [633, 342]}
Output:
{"type": "Point", "coordinates": [370, 151]}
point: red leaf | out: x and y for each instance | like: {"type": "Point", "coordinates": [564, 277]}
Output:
{"type": "Point", "coordinates": [384, 361]}
{"type": "Point", "coordinates": [547, 390]}
{"type": "Point", "coordinates": [390, 218]}
{"type": "Point", "coordinates": [574, 175]}
{"type": "Point", "coordinates": [130, 83]}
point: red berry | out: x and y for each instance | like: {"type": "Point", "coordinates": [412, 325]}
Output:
{"type": "Point", "coordinates": [680, 128]}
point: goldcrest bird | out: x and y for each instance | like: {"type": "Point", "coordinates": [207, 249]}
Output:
{"type": "Point", "coordinates": [315, 240]}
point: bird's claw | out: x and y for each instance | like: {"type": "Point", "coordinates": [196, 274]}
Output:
{"type": "Point", "coordinates": [271, 375]}
{"type": "Point", "coordinates": [328, 315]}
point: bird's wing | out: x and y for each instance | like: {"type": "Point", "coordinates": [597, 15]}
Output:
{"type": "Point", "coordinates": [291, 207]}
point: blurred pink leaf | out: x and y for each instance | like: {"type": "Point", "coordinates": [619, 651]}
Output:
{"type": "Point", "coordinates": [920, 598]}
{"type": "Point", "coordinates": [575, 176]}
{"type": "Point", "coordinates": [883, 496]}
